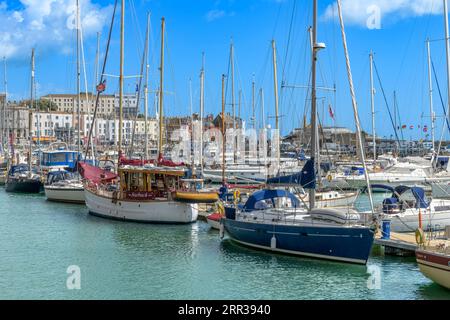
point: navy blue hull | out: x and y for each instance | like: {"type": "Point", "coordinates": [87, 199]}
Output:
{"type": "Point", "coordinates": [332, 243]}
{"type": "Point", "coordinates": [24, 186]}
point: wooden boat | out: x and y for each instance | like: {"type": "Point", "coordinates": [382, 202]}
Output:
{"type": "Point", "coordinates": [434, 263]}
{"type": "Point", "coordinates": [139, 194]}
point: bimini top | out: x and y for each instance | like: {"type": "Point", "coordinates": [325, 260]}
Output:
{"type": "Point", "coordinates": [269, 196]}
{"type": "Point", "coordinates": [19, 169]}
{"type": "Point", "coordinates": [418, 193]}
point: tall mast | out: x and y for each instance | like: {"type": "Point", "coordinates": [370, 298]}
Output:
{"type": "Point", "coordinates": [202, 107]}
{"type": "Point", "coordinates": [312, 192]}
{"type": "Point", "coordinates": [355, 107]}
{"type": "Point", "coordinates": [233, 105]}
{"type": "Point", "coordinates": [430, 89]}
{"type": "Point", "coordinates": [275, 88]}
{"type": "Point", "coordinates": [147, 66]}
{"type": "Point", "coordinates": [447, 50]}
{"type": "Point", "coordinates": [223, 130]}
{"type": "Point", "coordinates": [372, 103]}
{"type": "Point", "coordinates": [263, 119]}
{"type": "Point", "coordinates": [97, 66]}
{"type": "Point", "coordinates": [161, 89]}
{"type": "Point", "coordinates": [253, 104]}
{"type": "Point", "coordinates": [5, 121]}
{"type": "Point", "coordinates": [122, 40]}
{"type": "Point", "coordinates": [30, 113]}
{"type": "Point", "coordinates": [78, 80]}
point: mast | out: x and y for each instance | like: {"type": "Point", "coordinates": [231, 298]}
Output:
{"type": "Point", "coordinates": [5, 121]}
{"type": "Point", "coordinates": [233, 105]}
{"type": "Point", "coordinates": [147, 67]}
{"type": "Point", "coordinates": [161, 89]}
{"type": "Point", "coordinates": [30, 113]}
{"type": "Point", "coordinates": [223, 130]}
{"type": "Point", "coordinates": [78, 81]}
{"type": "Point", "coordinates": [122, 40]}
{"type": "Point", "coordinates": [253, 104]}
{"type": "Point", "coordinates": [275, 87]}
{"type": "Point", "coordinates": [430, 90]}
{"type": "Point", "coordinates": [202, 107]}
{"type": "Point", "coordinates": [447, 51]}
{"type": "Point", "coordinates": [312, 192]}
{"type": "Point", "coordinates": [355, 107]}
{"type": "Point", "coordinates": [372, 103]}
{"type": "Point", "coordinates": [97, 65]}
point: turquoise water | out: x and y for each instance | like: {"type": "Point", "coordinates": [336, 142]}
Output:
{"type": "Point", "coordinates": [40, 239]}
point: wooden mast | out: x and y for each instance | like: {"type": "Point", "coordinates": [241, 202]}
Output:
{"type": "Point", "coordinates": [147, 66]}
{"type": "Point", "coordinates": [161, 91]}
{"type": "Point", "coordinates": [122, 40]}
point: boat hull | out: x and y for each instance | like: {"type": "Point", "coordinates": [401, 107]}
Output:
{"type": "Point", "coordinates": [70, 195]}
{"type": "Point", "coordinates": [410, 223]}
{"type": "Point", "coordinates": [434, 266]}
{"type": "Point", "coordinates": [24, 186]}
{"type": "Point", "coordinates": [140, 211]}
{"type": "Point", "coordinates": [338, 243]}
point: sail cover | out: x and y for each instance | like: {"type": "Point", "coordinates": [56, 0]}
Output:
{"type": "Point", "coordinates": [95, 174]}
{"type": "Point", "coordinates": [306, 178]}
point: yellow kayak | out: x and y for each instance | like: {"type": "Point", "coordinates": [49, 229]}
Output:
{"type": "Point", "coordinates": [195, 196]}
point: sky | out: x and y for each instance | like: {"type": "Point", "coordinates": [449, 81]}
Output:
{"type": "Point", "coordinates": [395, 30]}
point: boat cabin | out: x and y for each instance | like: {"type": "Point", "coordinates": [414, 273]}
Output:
{"type": "Point", "coordinates": [149, 182]}
{"type": "Point", "coordinates": [403, 198]}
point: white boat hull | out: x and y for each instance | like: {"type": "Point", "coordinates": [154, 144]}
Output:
{"type": "Point", "coordinates": [61, 194]}
{"type": "Point", "coordinates": [153, 211]}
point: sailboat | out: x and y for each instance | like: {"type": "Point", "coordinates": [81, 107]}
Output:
{"type": "Point", "coordinates": [138, 193]}
{"type": "Point", "coordinates": [24, 178]}
{"type": "Point", "coordinates": [275, 220]}
{"type": "Point", "coordinates": [66, 189]}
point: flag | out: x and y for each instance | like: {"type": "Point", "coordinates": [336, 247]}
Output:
{"type": "Point", "coordinates": [137, 87]}
{"type": "Point", "coordinates": [101, 86]}
{"type": "Point", "coordinates": [331, 112]}
{"type": "Point", "coordinates": [411, 127]}
{"type": "Point", "coordinates": [425, 129]}
{"type": "Point", "coordinates": [404, 126]}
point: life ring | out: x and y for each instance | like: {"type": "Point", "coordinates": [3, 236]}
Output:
{"type": "Point", "coordinates": [329, 177]}
{"type": "Point", "coordinates": [420, 236]}
{"type": "Point", "coordinates": [236, 194]}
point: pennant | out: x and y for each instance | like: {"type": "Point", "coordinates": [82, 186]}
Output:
{"type": "Point", "coordinates": [331, 112]}
{"type": "Point", "coordinates": [101, 86]}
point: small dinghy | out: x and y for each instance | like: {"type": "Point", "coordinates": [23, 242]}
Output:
{"type": "Point", "coordinates": [338, 216]}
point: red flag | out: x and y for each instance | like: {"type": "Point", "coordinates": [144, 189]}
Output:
{"type": "Point", "coordinates": [404, 126]}
{"type": "Point", "coordinates": [411, 127]}
{"type": "Point", "coordinates": [331, 112]}
{"type": "Point", "coordinates": [102, 86]}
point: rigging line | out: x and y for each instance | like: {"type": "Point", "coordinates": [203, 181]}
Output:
{"type": "Point", "coordinates": [386, 102]}
{"type": "Point", "coordinates": [288, 40]}
{"type": "Point", "coordinates": [440, 95]}
{"type": "Point", "coordinates": [101, 79]}
{"type": "Point", "coordinates": [277, 18]}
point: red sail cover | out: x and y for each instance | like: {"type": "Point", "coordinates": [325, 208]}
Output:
{"type": "Point", "coordinates": [133, 162]}
{"type": "Point", "coordinates": [95, 174]}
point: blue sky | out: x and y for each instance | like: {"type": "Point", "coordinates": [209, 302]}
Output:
{"type": "Point", "coordinates": [193, 27]}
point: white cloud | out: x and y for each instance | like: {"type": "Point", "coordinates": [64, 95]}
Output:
{"type": "Point", "coordinates": [46, 25]}
{"type": "Point", "coordinates": [356, 11]}
{"type": "Point", "coordinates": [214, 15]}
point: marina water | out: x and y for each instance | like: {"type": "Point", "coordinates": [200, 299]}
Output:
{"type": "Point", "coordinates": [117, 260]}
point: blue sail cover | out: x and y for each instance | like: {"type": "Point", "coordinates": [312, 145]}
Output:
{"type": "Point", "coordinates": [418, 193]}
{"type": "Point", "coordinates": [267, 194]}
{"type": "Point", "coordinates": [306, 178]}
